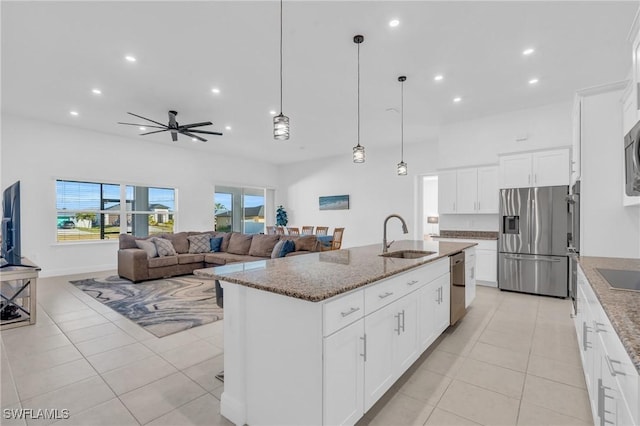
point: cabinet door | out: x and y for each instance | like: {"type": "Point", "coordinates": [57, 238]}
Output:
{"type": "Point", "coordinates": [467, 191]}
{"type": "Point", "coordinates": [470, 276]}
{"type": "Point", "coordinates": [515, 171]}
{"type": "Point", "coordinates": [551, 168]}
{"type": "Point", "coordinates": [442, 308]}
{"type": "Point", "coordinates": [487, 265]}
{"type": "Point", "coordinates": [343, 387]}
{"type": "Point", "coordinates": [488, 193]}
{"type": "Point", "coordinates": [406, 346]}
{"type": "Point", "coordinates": [379, 372]}
{"type": "Point", "coordinates": [427, 300]}
{"type": "Point", "coordinates": [447, 192]}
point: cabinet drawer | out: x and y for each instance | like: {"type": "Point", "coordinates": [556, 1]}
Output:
{"type": "Point", "coordinates": [342, 312]}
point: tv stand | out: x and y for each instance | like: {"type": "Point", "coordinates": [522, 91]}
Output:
{"type": "Point", "coordinates": [18, 294]}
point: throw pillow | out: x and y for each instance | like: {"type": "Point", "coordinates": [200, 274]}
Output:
{"type": "Point", "coordinates": [288, 247]}
{"type": "Point", "coordinates": [239, 243]}
{"type": "Point", "coordinates": [215, 244]}
{"type": "Point", "coordinates": [199, 243]}
{"type": "Point", "coordinates": [277, 249]}
{"type": "Point", "coordinates": [262, 245]}
{"type": "Point", "coordinates": [178, 241]}
{"type": "Point", "coordinates": [165, 248]}
{"type": "Point", "coordinates": [149, 247]}
{"type": "Point", "coordinates": [306, 243]}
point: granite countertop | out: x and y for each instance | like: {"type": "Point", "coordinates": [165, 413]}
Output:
{"type": "Point", "coordinates": [470, 235]}
{"type": "Point", "coordinates": [319, 276]}
{"type": "Point", "coordinates": [621, 306]}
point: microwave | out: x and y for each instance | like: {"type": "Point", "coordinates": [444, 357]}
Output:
{"type": "Point", "coordinates": [632, 161]}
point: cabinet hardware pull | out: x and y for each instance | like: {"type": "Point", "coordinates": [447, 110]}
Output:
{"type": "Point", "coordinates": [403, 320]}
{"type": "Point", "coordinates": [612, 370]}
{"type": "Point", "coordinates": [364, 353]}
{"type": "Point", "coordinates": [585, 343]}
{"type": "Point", "coordinates": [478, 205]}
{"type": "Point", "coordinates": [440, 294]}
{"type": "Point", "coordinates": [412, 282]}
{"type": "Point", "coordinates": [598, 329]}
{"type": "Point", "coordinates": [349, 312]}
{"type": "Point", "coordinates": [387, 294]}
{"type": "Point", "coordinates": [397, 330]}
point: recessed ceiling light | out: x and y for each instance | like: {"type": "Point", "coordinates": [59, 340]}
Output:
{"type": "Point", "coordinates": [194, 139]}
{"type": "Point", "coordinates": [215, 90]}
{"type": "Point", "coordinates": [528, 51]}
{"type": "Point", "coordinates": [130, 58]}
{"type": "Point", "coordinates": [394, 23]}
{"type": "Point", "coordinates": [228, 127]}
{"type": "Point", "coordinates": [74, 113]}
{"type": "Point", "coordinates": [458, 99]}
{"type": "Point", "coordinates": [272, 112]}
{"type": "Point", "coordinates": [97, 91]}
{"type": "Point", "coordinates": [142, 128]}
{"type": "Point", "coordinates": [438, 77]}
{"type": "Point", "coordinates": [533, 81]}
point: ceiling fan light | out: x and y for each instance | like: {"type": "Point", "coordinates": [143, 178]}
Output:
{"type": "Point", "coordinates": [402, 168]}
{"type": "Point", "coordinates": [358, 154]}
{"type": "Point", "coordinates": [281, 127]}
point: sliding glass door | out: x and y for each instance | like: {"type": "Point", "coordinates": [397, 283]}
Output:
{"type": "Point", "coordinates": [239, 209]}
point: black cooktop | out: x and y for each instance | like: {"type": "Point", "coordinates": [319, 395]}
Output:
{"type": "Point", "coordinates": [623, 279]}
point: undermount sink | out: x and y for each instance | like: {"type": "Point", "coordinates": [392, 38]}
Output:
{"type": "Point", "coordinates": [408, 254]}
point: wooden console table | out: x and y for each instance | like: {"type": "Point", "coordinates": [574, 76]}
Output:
{"type": "Point", "coordinates": [18, 289]}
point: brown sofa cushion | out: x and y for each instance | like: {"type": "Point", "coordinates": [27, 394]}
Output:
{"type": "Point", "coordinates": [306, 243]}
{"type": "Point", "coordinates": [239, 243]}
{"type": "Point", "coordinates": [158, 262]}
{"type": "Point", "coordinates": [220, 258]}
{"type": "Point", "coordinates": [226, 237]}
{"type": "Point", "coordinates": [262, 245]}
{"type": "Point", "coordinates": [179, 241]}
{"type": "Point", "coordinates": [185, 258]}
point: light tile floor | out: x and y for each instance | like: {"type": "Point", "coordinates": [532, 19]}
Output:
{"type": "Point", "coordinates": [512, 360]}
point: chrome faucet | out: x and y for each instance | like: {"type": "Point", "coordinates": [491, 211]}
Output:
{"type": "Point", "coordinates": [386, 246]}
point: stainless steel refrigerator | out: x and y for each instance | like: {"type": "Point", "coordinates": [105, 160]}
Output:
{"type": "Point", "coordinates": [532, 247]}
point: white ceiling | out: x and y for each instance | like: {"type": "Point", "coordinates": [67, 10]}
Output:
{"type": "Point", "coordinates": [54, 53]}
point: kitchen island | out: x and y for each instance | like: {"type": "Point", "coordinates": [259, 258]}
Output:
{"type": "Point", "coordinates": [319, 338]}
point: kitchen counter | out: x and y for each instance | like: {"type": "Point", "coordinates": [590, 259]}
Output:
{"type": "Point", "coordinates": [621, 306]}
{"type": "Point", "coordinates": [319, 276]}
{"type": "Point", "coordinates": [470, 235]}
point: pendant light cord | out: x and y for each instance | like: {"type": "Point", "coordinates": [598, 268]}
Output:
{"type": "Point", "coordinates": [280, 57]}
{"type": "Point", "coordinates": [402, 121]}
{"type": "Point", "coordinates": [358, 94]}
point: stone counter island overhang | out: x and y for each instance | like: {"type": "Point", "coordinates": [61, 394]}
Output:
{"type": "Point", "coordinates": [318, 339]}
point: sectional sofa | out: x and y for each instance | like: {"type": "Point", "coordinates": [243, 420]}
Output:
{"type": "Point", "coordinates": [168, 255]}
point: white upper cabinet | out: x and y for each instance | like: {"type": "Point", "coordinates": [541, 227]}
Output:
{"type": "Point", "coordinates": [468, 191]}
{"type": "Point", "coordinates": [447, 192]}
{"type": "Point", "coordinates": [540, 168]}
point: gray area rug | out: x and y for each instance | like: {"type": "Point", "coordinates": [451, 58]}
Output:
{"type": "Point", "coordinates": [162, 307]}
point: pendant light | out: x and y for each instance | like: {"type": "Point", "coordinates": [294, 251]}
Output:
{"type": "Point", "coordinates": [402, 166]}
{"type": "Point", "coordinates": [358, 150]}
{"type": "Point", "coordinates": [281, 121]}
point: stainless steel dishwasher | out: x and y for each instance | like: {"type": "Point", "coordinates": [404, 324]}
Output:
{"type": "Point", "coordinates": [457, 287]}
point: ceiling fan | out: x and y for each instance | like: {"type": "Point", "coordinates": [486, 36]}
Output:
{"type": "Point", "coordinates": [174, 127]}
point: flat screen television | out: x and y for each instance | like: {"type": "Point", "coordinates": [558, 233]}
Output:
{"type": "Point", "coordinates": [11, 226]}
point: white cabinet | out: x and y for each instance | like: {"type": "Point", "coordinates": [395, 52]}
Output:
{"type": "Point", "coordinates": [469, 276]}
{"type": "Point", "coordinates": [447, 191]}
{"type": "Point", "coordinates": [611, 377]}
{"type": "Point", "coordinates": [344, 360]}
{"type": "Point", "coordinates": [468, 191]}
{"type": "Point", "coordinates": [540, 168]}
{"type": "Point", "coordinates": [486, 272]}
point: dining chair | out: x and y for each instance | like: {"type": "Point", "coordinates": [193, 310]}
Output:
{"type": "Point", "coordinates": [322, 230]}
{"type": "Point", "coordinates": [271, 230]}
{"type": "Point", "coordinates": [337, 238]}
{"type": "Point", "coordinates": [279, 230]}
{"type": "Point", "coordinates": [307, 230]}
{"type": "Point", "coordinates": [293, 230]}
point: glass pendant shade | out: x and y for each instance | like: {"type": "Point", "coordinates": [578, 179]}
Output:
{"type": "Point", "coordinates": [402, 168]}
{"type": "Point", "coordinates": [358, 154]}
{"type": "Point", "coordinates": [281, 127]}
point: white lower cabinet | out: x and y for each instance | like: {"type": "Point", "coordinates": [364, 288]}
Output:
{"type": "Point", "coordinates": [611, 377]}
{"type": "Point", "coordinates": [469, 276]}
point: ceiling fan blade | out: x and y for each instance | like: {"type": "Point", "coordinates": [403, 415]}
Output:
{"type": "Point", "coordinates": [157, 131]}
{"type": "Point", "coordinates": [186, 126]}
{"type": "Point", "coordinates": [191, 135]}
{"type": "Point", "coordinates": [143, 125]}
{"type": "Point", "coordinates": [204, 131]}
{"type": "Point", "coordinates": [174, 136]}
{"type": "Point", "coordinates": [148, 119]}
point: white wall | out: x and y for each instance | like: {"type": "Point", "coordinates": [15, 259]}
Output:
{"type": "Point", "coordinates": [479, 142]}
{"type": "Point", "coordinates": [607, 228]}
{"type": "Point", "coordinates": [38, 153]}
{"type": "Point", "coordinates": [430, 203]}
{"type": "Point", "coordinates": [374, 188]}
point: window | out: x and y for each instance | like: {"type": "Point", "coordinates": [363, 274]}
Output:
{"type": "Point", "coordinates": [94, 211]}
{"type": "Point", "coordinates": [239, 209]}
